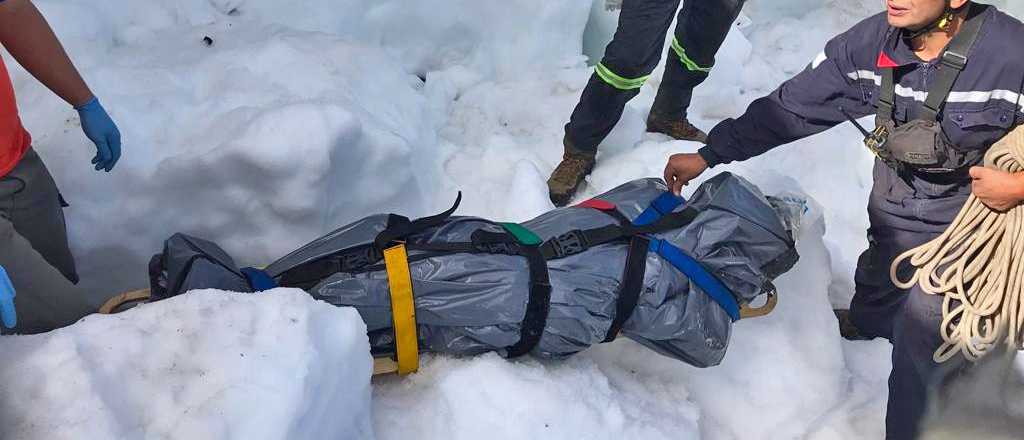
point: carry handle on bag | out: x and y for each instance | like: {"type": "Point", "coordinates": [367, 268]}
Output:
{"type": "Point", "coordinates": [8, 315]}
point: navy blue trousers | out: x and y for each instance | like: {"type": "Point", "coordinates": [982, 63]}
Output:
{"type": "Point", "coordinates": [905, 213]}
{"type": "Point", "coordinates": [635, 51]}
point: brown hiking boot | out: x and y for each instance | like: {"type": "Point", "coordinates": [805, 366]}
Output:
{"type": "Point", "coordinates": [677, 128]}
{"type": "Point", "coordinates": [569, 174]}
{"type": "Point", "coordinates": [846, 328]}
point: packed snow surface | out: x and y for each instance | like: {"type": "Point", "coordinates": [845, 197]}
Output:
{"type": "Point", "coordinates": [294, 117]}
{"type": "Point", "coordinates": [208, 365]}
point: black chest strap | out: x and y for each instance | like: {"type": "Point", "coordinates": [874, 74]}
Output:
{"type": "Point", "coordinates": [886, 97]}
{"type": "Point", "coordinates": [953, 61]}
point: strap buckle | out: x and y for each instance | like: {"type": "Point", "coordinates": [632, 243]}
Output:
{"type": "Point", "coordinates": [954, 60]}
{"type": "Point", "coordinates": [569, 243]}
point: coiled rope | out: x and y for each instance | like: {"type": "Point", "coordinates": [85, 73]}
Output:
{"type": "Point", "coordinates": [977, 266]}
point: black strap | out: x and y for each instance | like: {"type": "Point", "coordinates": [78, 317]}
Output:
{"type": "Point", "coordinates": [618, 216]}
{"type": "Point", "coordinates": [667, 222]}
{"type": "Point", "coordinates": [445, 248]}
{"type": "Point", "coordinates": [577, 241]}
{"type": "Point", "coordinates": [574, 242]}
{"type": "Point", "coordinates": [954, 59]}
{"type": "Point", "coordinates": [400, 227]}
{"type": "Point", "coordinates": [539, 301]}
{"type": "Point", "coordinates": [491, 242]}
{"type": "Point", "coordinates": [536, 307]}
{"type": "Point", "coordinates": [569, 243]}
{"type": "Point", "coordinates": [632, 285]}
{"type": "Point", "coordinates": [307, 275]}
{"type": "Point", "coordinates": [358, 258]}
{"type": "Point", "coordinates": [482, 241]}
{"type": "Point", "coordinates": [886, 97]}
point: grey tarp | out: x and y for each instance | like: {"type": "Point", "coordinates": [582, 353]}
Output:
{"type": "Point", "coordinates": [473, 303]}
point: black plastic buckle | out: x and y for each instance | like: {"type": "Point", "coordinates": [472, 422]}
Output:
{"type": "Point", "coordinates": [569, 243]}
{"type": "Point", "coordinates": [954, 60]}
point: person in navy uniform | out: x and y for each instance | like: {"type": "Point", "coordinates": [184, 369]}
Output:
{"type": "Point", "coordinates": [952, 69]}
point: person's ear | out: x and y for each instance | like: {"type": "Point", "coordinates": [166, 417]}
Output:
{"type": "Point", "coordinates": [957, 4]}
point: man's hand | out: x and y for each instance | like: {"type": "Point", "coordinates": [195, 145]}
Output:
{"type": "Point", "coordinates": [997, 189]}
{"type": "Point", "coordinates": [682, 168]}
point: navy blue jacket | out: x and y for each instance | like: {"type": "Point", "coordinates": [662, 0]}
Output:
{"type": "Point", "coordinates": [984, 105]}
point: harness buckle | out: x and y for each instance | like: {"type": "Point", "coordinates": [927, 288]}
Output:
{"type": "Point", "coordinates": [954, 60]}
{"type": "Point", "coordinates": [569, 243]}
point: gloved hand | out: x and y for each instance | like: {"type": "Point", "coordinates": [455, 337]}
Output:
{"type": "Point", "coordinates": [100, 129]}
{"type": "Point", "coordinates": [8, 316]}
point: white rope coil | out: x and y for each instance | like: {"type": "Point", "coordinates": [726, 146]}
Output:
{"type": "Point", "coordinates": [977, 266]}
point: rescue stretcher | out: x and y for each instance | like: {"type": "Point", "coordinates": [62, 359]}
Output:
{"type": "Point", "coordinates": [636, 261]}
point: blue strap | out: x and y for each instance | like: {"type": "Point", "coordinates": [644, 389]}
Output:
{"type": "Point", "coordinates": [661, 205]}
{"type": "Point", "coordinates": [259, 280]}
{"type": "Point", "coordinates": [664, 204]}
{"type": "Point", "coordinates": [700, 276]}
{"type": "Point", "coordinates": [8, 314]}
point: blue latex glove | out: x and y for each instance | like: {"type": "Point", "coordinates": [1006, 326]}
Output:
{"type": "Point", "coordinates": [100, 129]}
{"type": "Point", "coordinates": [8, 315]}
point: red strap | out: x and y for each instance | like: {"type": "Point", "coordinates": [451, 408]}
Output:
{"type": "Point", "coordinates": [598, 204]}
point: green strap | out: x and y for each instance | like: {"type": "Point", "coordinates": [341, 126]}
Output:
{"type": "Point", "coordinates": [687, 62]}
{"type": "Point", "coordinates": [617, 81]}
{"type": "Point", "coordinates": [524, 236]}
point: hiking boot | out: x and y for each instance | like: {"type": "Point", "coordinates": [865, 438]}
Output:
{"type": "Point", "coordinates": [569, 174]}
{"type": "Point", "coordinates": [846, 327]}
{"type": "Point", "coordinates": [677, 128]}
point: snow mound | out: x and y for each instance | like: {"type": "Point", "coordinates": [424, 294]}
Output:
{"type": "Point", "coordinates": [490, 397]}
{"type": "Point", "coordinates": [206, 365]}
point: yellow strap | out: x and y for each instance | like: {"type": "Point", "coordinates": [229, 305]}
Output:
{"type": "Point", "coordinates": [403, 311]}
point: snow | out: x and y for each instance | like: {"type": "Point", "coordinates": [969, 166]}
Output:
{"type": "Point", "coordinates": [201, 366]}
{"type": "Point", "coordinates": [492, 397]}
{"type": "Point", "coordinates": [304, 115]}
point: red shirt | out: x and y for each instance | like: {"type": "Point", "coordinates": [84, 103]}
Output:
{"type": "Point", "coordinates": [14, 139]}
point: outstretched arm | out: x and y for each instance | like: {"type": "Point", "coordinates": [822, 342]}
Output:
{"type": "Point", "coordinates": [30, 40]}
{"type": "Point", "coordinates": [806, 104]}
